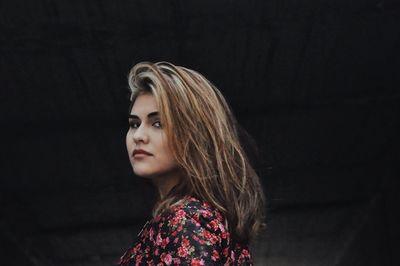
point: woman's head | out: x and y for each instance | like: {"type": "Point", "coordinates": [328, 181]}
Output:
{"type": "Point", "coordinates": [147, 146]}
{"type": "Point", "coordinates": [202, 137]}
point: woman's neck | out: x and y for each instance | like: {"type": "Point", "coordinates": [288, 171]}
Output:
{"type": "Point", "coordinates": [166, 182]}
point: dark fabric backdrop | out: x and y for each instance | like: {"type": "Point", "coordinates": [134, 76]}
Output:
{"type": "Point", "coordinates": [316, 83]}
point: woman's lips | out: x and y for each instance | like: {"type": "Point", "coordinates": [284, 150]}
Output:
{"type": "Point", "coordinates": [139, 153]}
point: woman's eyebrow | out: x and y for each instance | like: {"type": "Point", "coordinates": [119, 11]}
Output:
{"type": "Point", "coordinates": [150, 115]}
{"type": "Point", "coordinates": [133, 116]}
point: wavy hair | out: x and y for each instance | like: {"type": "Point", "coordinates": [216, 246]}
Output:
{"type": "Point", "coordinates": [203, 136]}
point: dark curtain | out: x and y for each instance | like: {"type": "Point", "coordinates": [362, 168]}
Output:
{"type": "Point", "coordinates": [315, 83]}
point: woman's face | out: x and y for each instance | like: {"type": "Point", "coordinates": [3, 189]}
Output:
{"type": "Point", "coordinates": [146, 141]}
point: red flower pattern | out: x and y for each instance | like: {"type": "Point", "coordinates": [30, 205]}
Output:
{"type": "Point", "coordinates": [191, 233]}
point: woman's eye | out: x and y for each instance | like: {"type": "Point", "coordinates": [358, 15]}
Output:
{"type": "Point", "coordinates": [157, 124]}
{"type": "Point", "coordinates": [134, 124]}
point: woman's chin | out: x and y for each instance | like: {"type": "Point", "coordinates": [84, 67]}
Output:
{"type": "Point", "coordinates": [143, 174]}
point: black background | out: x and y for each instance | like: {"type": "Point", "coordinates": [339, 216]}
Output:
{"type": "Point", "coordinates": [316, 83]}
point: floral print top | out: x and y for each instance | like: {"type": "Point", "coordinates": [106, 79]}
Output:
{"type": "Point", "coordinates": [192, 232]}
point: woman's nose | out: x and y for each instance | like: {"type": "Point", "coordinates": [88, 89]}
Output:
{"type": "Point", "coordinates": [140, 134]}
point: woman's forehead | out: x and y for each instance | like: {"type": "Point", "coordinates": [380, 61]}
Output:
{"type": "Point", "coordinates": [143, 105]}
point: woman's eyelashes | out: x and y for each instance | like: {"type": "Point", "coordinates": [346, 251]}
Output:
{"type": "Point", "coordinates": [136, 124]}
{"type": "Point", "coordinates": [157, 124]}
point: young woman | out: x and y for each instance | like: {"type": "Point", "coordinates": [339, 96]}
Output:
{"type": "Point", "coordinates": [184, 137]}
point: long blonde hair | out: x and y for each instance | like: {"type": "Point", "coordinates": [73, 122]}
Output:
{"type": "Point", "coordinates": [203, 136]}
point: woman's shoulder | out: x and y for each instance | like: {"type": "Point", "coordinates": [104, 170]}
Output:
{"type": "Point", "coordinates": [191, 232]}
{"type": "Point", "coordinates": [196, 211]}
{"type": "Point", "coordinates": [192, 218]}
